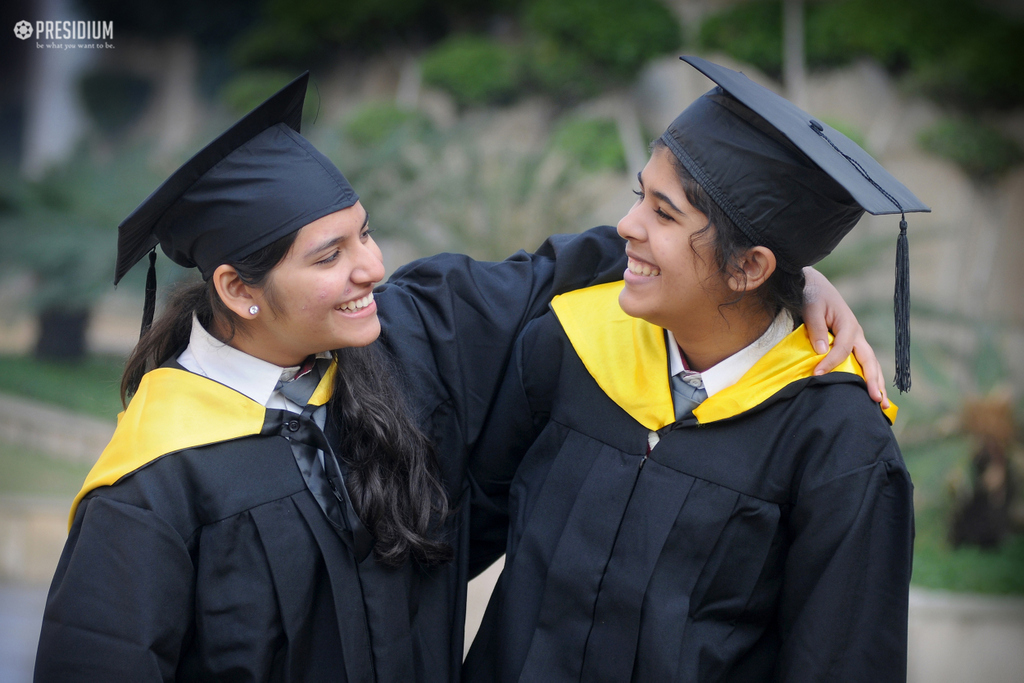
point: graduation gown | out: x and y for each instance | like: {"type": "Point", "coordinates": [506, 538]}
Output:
{"type": "Point", "coordinates": [768, 536]}
{"type": "Point", "coordinates": [201, 547]}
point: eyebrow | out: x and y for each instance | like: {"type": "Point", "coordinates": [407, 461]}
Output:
{"type": "Point", "coordinates": [661, 195]}
{"type": "Point", "coordinates": [336, 240]}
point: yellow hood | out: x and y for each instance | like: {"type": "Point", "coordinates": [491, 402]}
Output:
{"type": "Point", "coordinates": [627, 358]}
{"type": "Point", "coordinates": [174, 410]}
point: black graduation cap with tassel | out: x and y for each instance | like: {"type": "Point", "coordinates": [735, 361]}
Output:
{"type": "Point", "coordinates": [788, 181]}
{"type": "Point", "coordinates": [255, 183]}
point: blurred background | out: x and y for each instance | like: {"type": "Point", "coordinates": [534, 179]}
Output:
{"type": "Point", "coordinates": [481, 126]}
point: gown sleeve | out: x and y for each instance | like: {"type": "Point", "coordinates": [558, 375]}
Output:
{"type": "Point", "coordinates": [521, 409]}
{"type": "Point", "coordinates": [120, 604]}
{"type": "Point", "coordinates": [451, 322]}
{"type": "Point", "coordinates": [843, 611]}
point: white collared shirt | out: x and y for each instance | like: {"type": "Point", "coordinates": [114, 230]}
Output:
{"type": "Point", "coordinates": [248, 375]}
{"type": "Point", "coordinates": [727, 372]}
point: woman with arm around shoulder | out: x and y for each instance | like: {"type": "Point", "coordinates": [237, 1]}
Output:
{"type": "Point", "coordinates": [685, 499]}
{"type": "Point", "coordinates": [277, 501]}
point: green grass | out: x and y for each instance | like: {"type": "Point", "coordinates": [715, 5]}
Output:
{"type": "Point", "coordinates": [23, 471]}
{"type": "Point", "coordinates": [936, 563]}
{"type": "Point", "coordinates": [90, 387]}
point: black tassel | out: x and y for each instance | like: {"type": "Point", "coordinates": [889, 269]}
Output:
{"type": "Point", "coordinates": [901, 306]}
{"type": "Point", "coordinates": [150, 306]}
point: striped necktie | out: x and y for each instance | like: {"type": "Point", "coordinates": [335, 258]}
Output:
{"type": "Point", "coordinates": [299, 389]}
{"type": "Point", "coordinates": [686, 396]}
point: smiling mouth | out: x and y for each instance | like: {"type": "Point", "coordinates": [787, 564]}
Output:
{"type": "Point", "coordinates": [357, 304]}
{"type": "Point", "coordinates": [641, 268]}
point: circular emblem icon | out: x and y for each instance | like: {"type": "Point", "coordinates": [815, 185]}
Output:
{"type": "Point", "coordinates": [23, 30]}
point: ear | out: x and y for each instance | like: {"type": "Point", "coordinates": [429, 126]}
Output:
{"type": "Point", "coordinates": [235, 294]}
{"type": "Point", "coordinates": [752, 270]}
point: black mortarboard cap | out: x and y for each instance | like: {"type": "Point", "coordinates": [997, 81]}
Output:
{"type": "Point", "coordinates": [788, 181]}
{"type": "Point", "coordinates": [257, 182]}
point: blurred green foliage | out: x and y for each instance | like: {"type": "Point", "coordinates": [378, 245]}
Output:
{"type": "Point", "coordinates": [619, 35]}
{"type": "Point", "coordinates": [26, 472]}
{"type": "Point", "coordinates": [937, 564]}
{"type": "Point", "coordinates": [958, 51]}
{"type": "Point", "coordinates": [594, 143]}
{"type": "Point", "coordinates": [208, 23]}
{"type": "Point", "coordinates": [981, 151]}
{"type": "Point", "coordinates": [114, 99]}
{"type": "Point", "coordinates": [63, 227]}
{"type": "Point", "coordinates": [374, 123]}
{"type": "Point", "coordinates": [301, 32]}
{"type": "Point", "coordinates": [474, 70]}
{"type": "Point", "coordinates": [475, 187]}
{"type": "Point", "coordinates": [569, 50]}
{"type": "Point", "coordinates": [750, 32]}
{"type": "Point", "coordinates": [249, 88]}
{"type": "Point", "coordinates": [91, 387]}
{"type": "Point", "coordinates": [561, 73]}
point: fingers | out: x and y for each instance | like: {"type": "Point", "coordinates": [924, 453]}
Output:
{"type": "Point", "coordinates": [817, 327]}
{"type": "Point", "coordinates": [824, 309]}
{"type": "Point", "coordinates": [841, 348]}
{"type": "Point", "coordinates": [816, 310]}
{"type": "Point", "coordinates": [872, 372]}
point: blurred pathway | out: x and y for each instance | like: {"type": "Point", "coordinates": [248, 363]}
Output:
{"type": "Point", "coordinates": [33, 528]}
{"type": "Point", "coordinates": [21, 609]}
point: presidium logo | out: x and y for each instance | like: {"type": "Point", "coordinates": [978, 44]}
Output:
{"type": "Point", "coordinates": [58, 33]}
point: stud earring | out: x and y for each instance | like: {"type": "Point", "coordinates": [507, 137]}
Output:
{"type": "Point", "coordinates": [254, 309]}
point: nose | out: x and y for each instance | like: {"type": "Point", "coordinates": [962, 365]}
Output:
{"type": "Point", "coordinates": [631, 227]}
{"type": "Point", "coordinates": [370, 265]}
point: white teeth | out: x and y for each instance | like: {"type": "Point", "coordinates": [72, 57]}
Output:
{"type": "Point", "coordinates": [643, 269]}
{"type": "Point", "coordinates": [357, 304]}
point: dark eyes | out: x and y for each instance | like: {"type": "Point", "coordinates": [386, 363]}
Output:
{"type": "Point", "coordinates": [363, 236]}
{"type": "Point", "coordinates": [658, 211]}
{"type": "Point", "coordinates": [334, 255]}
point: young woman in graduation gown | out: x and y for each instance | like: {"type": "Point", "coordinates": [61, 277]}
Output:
{"type": "Point", "coordinates": [283, 498]}
{"type": "Point", "coordinates": [744, 520]}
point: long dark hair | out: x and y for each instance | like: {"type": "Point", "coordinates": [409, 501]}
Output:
{"type": "Point", "coordinates": [392, 467]}
{"type": "Point", "coordinates": [781, 291]}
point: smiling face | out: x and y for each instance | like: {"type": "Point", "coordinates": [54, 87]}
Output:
{"type": "Point", "coordinates": [669, 282]}
{"type": "Point", "coordinates": [319, 297]}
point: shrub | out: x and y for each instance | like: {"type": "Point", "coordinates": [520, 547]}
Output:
{"type": "Point", "coordinates": [375, 123]}
{"type": "Point", "coordinates": [982, 152]}
{"type": "Point", "coordinates": [296, 32]}
{"type": "Point", "coordinates": [982, 69]}
{"type": "Point", "coordinates": [475, 70]}
{"type": "Point", "coordinates": [248, 89]}
{"type": "Point", "coordinates": [750, 32]}
{"type": "Point", "coordinates": [593, 143]}
{"type": "Point", "coordinates": [956, 50]}
{"type": "Point", "coordinates": [619, 35]}
{"type": "Point", "coordinates": [114, 99]}
{"type": "Point", "coordinates": [293, 32]}
{"type": "Point", "coordinates": [559, 72]}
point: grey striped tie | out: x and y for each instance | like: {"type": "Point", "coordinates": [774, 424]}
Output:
{"type": "Point", "coordinates": [685, 397]}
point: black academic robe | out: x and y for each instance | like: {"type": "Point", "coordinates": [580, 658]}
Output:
{"type": "Point", "coordinates": [768, 536]}
{"type": "Point", "coordinates": [201, 547]}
